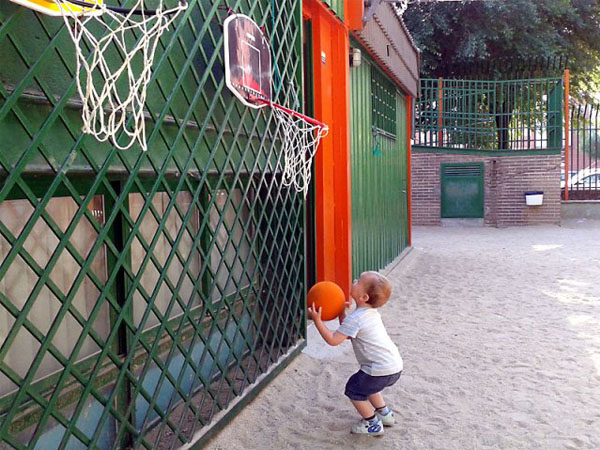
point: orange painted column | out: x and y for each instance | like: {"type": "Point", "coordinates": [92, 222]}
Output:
{"type": "Point", "coordinates": [332, 161]}
{"type": "Point", "coordinates": [342, 163]}
{"type": "Point", "coordinates": [353, 14]}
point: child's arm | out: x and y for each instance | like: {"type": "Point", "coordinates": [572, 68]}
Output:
{"type": "Point", "coordinates": [331, 337]}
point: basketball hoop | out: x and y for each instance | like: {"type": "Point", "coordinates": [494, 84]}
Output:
{"type": "Point", "coordinates": [248, 76]}
{"type": "Point", "coordinates": [300, 137]}
{"type": "Point", "coordinates": [114, 93]}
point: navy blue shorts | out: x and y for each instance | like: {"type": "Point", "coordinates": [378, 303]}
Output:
{"type": "Point", "coordinates": [361, 385]}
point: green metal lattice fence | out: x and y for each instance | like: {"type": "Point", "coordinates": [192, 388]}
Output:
{"type": "Point", "coordinates": [142, 293]}
{"type": "Point", "coordinates": [490, 115]}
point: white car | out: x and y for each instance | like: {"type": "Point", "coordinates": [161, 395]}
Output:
{"type": "Point", "coordinates": [562, 177]}
{"type": "Point", "coordinates": [586, 180]}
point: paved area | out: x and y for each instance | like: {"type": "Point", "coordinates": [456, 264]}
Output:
{"type": "Point", "coordinates": [500, 333]}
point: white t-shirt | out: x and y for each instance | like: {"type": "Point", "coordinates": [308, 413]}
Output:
{"type": "Point", "coordinates": [374, 350]}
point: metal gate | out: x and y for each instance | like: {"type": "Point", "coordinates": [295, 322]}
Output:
{"type": "Point", "coordinates": [142, 294]}
{"type": "Point", "coordinates": [583, 158]}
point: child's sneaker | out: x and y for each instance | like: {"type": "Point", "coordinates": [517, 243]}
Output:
{"type": "Point", "coordinates": [372, 428]}
{"type": "Point", "coordinates": [388, 419]}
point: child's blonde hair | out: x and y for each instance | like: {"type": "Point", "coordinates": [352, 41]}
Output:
{"type": "Point", "coordinates": [379, 290]}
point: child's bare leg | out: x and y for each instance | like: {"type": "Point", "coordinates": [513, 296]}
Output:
{"type": "Point", "coordinates": [387, 416]}
{"type": "Point", "coordinates": [376, 400]}
{"type": "Point", "coordinates": [364, 408]}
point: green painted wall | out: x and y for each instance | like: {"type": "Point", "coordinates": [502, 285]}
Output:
{"type": "Point", "coordinates": [379, 178]}
{"type": "Point", "coordinates": [337, 6]}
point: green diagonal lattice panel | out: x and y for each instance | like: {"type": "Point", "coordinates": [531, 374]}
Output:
{"type": "Point", "coordinates": [141, 293]}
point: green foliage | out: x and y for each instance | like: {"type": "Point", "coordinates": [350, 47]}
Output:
{"type": "Point", "coordinates": [451, 33]}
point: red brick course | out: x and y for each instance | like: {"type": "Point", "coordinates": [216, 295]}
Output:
{"type": "Point", "coordinates": [506, 180]}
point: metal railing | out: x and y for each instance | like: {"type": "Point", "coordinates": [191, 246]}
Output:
{"type": "Point", "coordinates": [508, 68]}
{"type": "Point", "coordinates": [142, 293]}
{"type": "Point", "coordinates": [489, 115]}
{"type": "Point", "coordinates": [581, 171]}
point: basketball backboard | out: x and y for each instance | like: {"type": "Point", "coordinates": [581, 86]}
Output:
{"type": "Point", "coordinates": [51, 8]}
{"type": "Point", "coordinates": [247, 60]}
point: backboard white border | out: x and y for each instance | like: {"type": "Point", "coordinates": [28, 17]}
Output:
{"type": "Point", "coordinates": [228, 82]}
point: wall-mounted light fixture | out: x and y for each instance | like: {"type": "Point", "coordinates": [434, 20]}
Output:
{"type": "Point", "coordinates": [355, 57]}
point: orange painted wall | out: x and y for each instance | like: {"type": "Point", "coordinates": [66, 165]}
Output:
{"type": "Point", "coordinates": [331, 80]}
{"type": "Point", "coordinates": [353, 14]}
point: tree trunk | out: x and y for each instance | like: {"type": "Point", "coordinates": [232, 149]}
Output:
{"type": "Point", "coordinates": [503, 117]}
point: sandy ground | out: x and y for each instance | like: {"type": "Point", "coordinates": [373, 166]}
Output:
{"type": "Point", "coordinates": [500, 334]}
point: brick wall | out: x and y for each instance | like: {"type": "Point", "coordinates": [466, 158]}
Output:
{"type": "Point", "coordinates": [506, 180]}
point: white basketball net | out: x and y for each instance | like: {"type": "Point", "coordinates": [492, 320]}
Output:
{"type": "Point", "coordinates": [107, 107]}
{"type": "Point", "coordinates": [400, 6]}
{"type": "Point", "coordinates": [300, 140]}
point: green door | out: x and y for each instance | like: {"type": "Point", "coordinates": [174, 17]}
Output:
{"type": "Point", "coordinates": [379, 169]}
{"type": "Point", "coordinates": [462, 190]}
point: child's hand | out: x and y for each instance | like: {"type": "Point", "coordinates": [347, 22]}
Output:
{"type": "Point", "coordinates": [315, 314]}
{"type": "Point", "coordinates": [348, 303]}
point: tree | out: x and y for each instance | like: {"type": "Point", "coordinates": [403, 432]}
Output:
{"type": "Point", "coordinates": [469, 32]}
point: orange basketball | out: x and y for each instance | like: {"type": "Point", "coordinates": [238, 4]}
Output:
{"type": "Point", "coordinates": [329, 296]}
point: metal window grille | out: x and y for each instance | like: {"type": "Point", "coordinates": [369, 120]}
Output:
{"type": "Point", "coordinates": [383, 96]}
{"type": "Point", "coordinates": [142, 293]}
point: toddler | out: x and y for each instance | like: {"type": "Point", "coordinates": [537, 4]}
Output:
{"type": "Point", "coordinates": [379, 359]}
